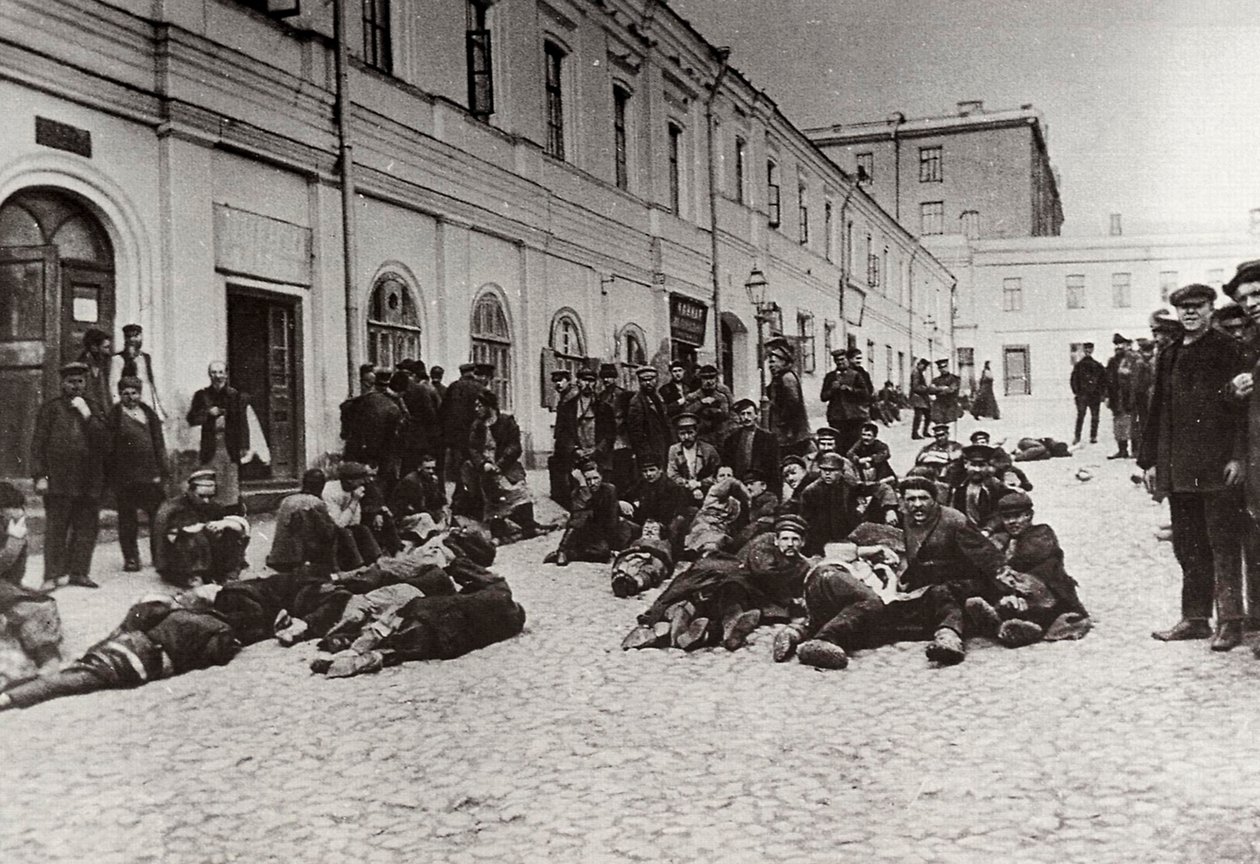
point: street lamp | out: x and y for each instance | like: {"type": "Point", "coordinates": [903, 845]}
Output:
{"type": "Point", "coordinates": [756, 286]}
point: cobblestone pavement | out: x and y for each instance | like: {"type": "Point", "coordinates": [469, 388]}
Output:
{"type": "Point", "coordinates": [559, 747]}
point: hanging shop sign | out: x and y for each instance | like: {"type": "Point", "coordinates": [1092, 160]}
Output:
{"type": "Point", "coordinates": [687, 319]}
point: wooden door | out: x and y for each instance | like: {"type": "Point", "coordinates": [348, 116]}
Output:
{"type": "Point", "coordinates": [30, 347]}
{"type": "Point", "coordinates": [87, 303]}
{"type": "Point", "coordinates": [1015, 369]}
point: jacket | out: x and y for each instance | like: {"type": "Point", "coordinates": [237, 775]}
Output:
{"type": "Point", "coordinates": [830, 513]}
{"type": "Point", "coordinates": [788, 419]}
{"type": "Point", "coordinates": [647, 426]}
{"type": "Point", "coordinates": [847, 395]}
{"type": "Point", "coordinates": [879, 454]}
{"type": "Point", "coordinates": [950, 551]}
{"type": "Point", "coordinates": [714, 417]}
{"type": "Point", "coordinates": [944, 389]}
{"type": "Point", "coordinates": [457, 411]}
{"type": "Point", "coordinates": [128, 458]}
{"type": "Point", "coordinates": [506, 437]}
{"type": "Point", "coordinates": [69, 450]}
{"type": "Point", "coordinates": [763, 458]}
{"type": "Point", "coordinates": [1037, 553]}
{"type": "Point", "coordinates": [374, 428]}
{"type": "Point", "coordinates": [679, 471]}
{"type": "Point", "coordinates": [919, 389]}
{"type": "Point", "coordinates": [605, 417]}
{"type": "Point", "coordinates": [235, 429]}
{"type": "Point", "coordinates": [1089, 379]}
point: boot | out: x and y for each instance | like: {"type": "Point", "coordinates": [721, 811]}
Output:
{"type": "Point", "coordinates": [785, 642]}
{"type": "Point", "coordinates": [1186, 628]}
{"type": "Point", "coordinates": [736, 628]}
{"type": "Point", "coordinates": [1228, 636]}
{"type": "Point", "coordinates": [822, 655]}
{"type": "Point", "coordinates": [695, 635]}
{"type": "Point", "coordinates": [1016, 633]}
{"type": "Point", "coordinates": [679, 616]}
{"type": "Point", "coordinates": [982, 617]}
{"type": "Point", "coordinates": [946, 648]}
{"type": "Point", "coordinates": [640, 637]}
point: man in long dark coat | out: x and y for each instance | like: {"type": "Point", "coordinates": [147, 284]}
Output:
{"type": "Point", "coordinates": [789, 420]}
{"type": "Point", "coordinates": [586, 427]}
{"type": "Point", "coordinates": [68, 466]}
{"type": "Point", "coordinates": [647, 424]}
{"type": "Point", "coordinates": [1194, 450]}
{"type": "Point", "coordinates": [944, 389]}
{"type": "Point", "coordinates": [423, 430]}
{"type": "Point", "coordinates": [1089, 383]}
{"type": "Point", "coordinates": [920, 400]}
{"type": "Point", "coordinates": [457, 413]}
{"type": "Point", "coordinates": [220, 411]}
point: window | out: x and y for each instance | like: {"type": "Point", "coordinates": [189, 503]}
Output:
{"type": "Point", "coordinates": [870, 356]}
{"type": "Point", "coordinates": [888, 363]}
{"type": "Point", "coordinates": [971, 224]}
{"type": "Point", "coordinates": [1167, 284]}
{"type": "Point", "coordinates": [621, 99]}
{"type": "Point", "coordinates": [492, 343]}
{"type": "Point", "coordinates": [1012, 295]}
{"type": "Point", "coordinates": [872, 270]}
{"type": "Point", "coordinates": [393, 322]}
{"type": "Point", "coordinates": [480, 73]}
{"type": "Point", "coordinates": [967, 365]}
{"type": "Point", "coordinates": [1076, 291]}
{"type": "Point", "coordinates": [772, 193]}
{"type": "Point", "coordinates": [567, 342]}
{"type": "Point", "coordinates": [1121, 298]}
{"type": "Point", "coordinates": [675, 168]}
{"type": "Point", "coordinates": [376, 35]}
{"type": "Point", "coordinates": [1114, 228]}
{"type": "Point", "coordinates": [932, 217]}
{"type": "Point", "coordinates": [901, 368]}
{"type": "Point", "coordinates": [929, 164]}
{"type": "Point", "coordinates": [829, 337]}
{"type": "Point", "coordinates": [1015, 370]}
{"type": "Point", "coordinates": [802, 204]}
{"type": "Point", "coordinates": [805, 332]}
{"type": "Point", "coordinates": [865, 167]}
{"type": "Point", "coordinates": [829, 240]}
{"type": "Point", "coordinates": [741, 158]}
{"type": "Point", "coordinates": [554, 58]}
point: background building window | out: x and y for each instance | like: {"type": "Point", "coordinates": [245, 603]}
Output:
{"type": "Point", "coordinates": [480, 73]}
{"type": "Point", "coordinates": [675, 168]}
{"type": "Point", "coordinates": [1012, 295]}
{"type": "Point", "coordinates": [1167, 284]}
{"type": "Point", "coordinates": [888, 364]}
{"type": "Point", "coordinates": [802, 204]}
{"type": "Point", "coordinates": [741, 160]}
{"type": "Point", "coordinates": [829, 240]}
{"type": "Point", "coordinates": [1076, 291]}
{"type": "Point", "coordinates": [393, 322]}
{"type": "Point", "coordinates": [554, 58]}
{"type": "Point", "coordinates": [1015, 370]}
{"type": "Point", "coordinates": [901, 369]}
{"type": "Point", "coordinates": [829, 337]}
{"type": "Point", "coordinates": [1121, 296]}
{"type": "Point", "coordinates": [971, 224]}
{"type": "Point", "coordinates": [967, 366]}
{"type": "Point", "coordinates": [772, 193]}
{"type": "Point", "coordinates": [870, 358]}
{"type": "Point", "coordinates": [805, 333]}
{"type": "Point", "coordinates": [567, 342]}
{"type": "Point", "coordinates": [932, 217]}
{"type": "Point", "coordinates": [872, 270]}
{"type": "Point", "coordinates": [929, 164]}
{"type": "Point", "coordinates": [865, 167]}
{"type": "Point", "coordinates": [492, 343]}
{"type": "Point", "coordinates": [376, 36]}
{"type": "Point", "coordinates": [621, 100]}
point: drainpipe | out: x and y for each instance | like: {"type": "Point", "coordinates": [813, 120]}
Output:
{"type": "Point", "coordinates": [910, 323]}
{"type": "Point", "coordinates": [346, 164]}
{"type": "Point", "coordinates": [896, 118]}
{"type": "Point", "coordinates": [724, 55]}
{"type": "Point", "coordinates": [845, 263]}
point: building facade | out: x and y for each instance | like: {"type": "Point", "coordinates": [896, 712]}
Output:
{"type": "Point", "coordinates": [531, 188]}
{"type": "Point", "coordinates": [982, 174]}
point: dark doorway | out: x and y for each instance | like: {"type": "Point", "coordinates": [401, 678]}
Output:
{"type": "Point", "coordinates": [56, 282]}
{"type": "Point", "coordinates": [265, 360]}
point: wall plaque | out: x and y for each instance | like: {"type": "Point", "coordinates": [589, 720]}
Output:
{"type": "Point", "coordinates": [687, 319]}
{"type": "Point", "coordinates": [63, 136]}
{"type": "Point", "coordinates": [254, 245]}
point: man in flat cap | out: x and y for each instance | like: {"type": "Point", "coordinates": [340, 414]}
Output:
{"type": "Point", "coordinates": [595, 529]}
{"type": "Point", "coordinates": [1122, 398]}
{"type": "Point", "coordinates": [789, 420]}
{"type": "Point", "coordinates": [586, 428]}
{"type": "Point", "coordinates": [674, 392]}
{"type": "Point", "coordinates": [220, 411]}
{"type": "Point", "coordinates": [198, 540]}
{"type": "Point", "coordinates": [976, 496]}
{"type": "Point", "coordinates": [828, 504]}
{"type": "Point", "coordinates": [749, 447]}
{"type": "Point", "coordinates": [1194, 451]}
{"type": "Point", "coordinates": [1089, 383]}
{"type": "Point", "coordinates": [97, 345]}
{"type": "Point", "coordinates": [422, 432]}
{"type": "Point", "coordinates": [711, 404]}
{"type": "Point", "coordinates": [848, 399]}
{"type": "Point", "coordinates": [457, 413]}
{"type": "Point", "coordinates": [656, 498]}
{"type": "Point", "coordinates": [68, 465]}
{"type": "Point", "coordinates": [622, 472]}
{"type": "Point", "coordinates": [691, 463]}
{"type": "Point", "coordinates": [134, 361]}
{"type": "Point", "coordinates": [943, 455]}
{"type": "Point", "coordinates": [647, 424]}
{"type": "Point", "coordinates": [920, 400]}
{"type": "Point", "coordinates": [944, 389]}
{"type": "Point", "coordinates": [1244, 289]}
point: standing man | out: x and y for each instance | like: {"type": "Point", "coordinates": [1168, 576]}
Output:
{"type": "Point", "coordinates": [749, 448]}
{"type": "Point", "coordinates": [712, 406]}
{"type": "Point", "coordinates": [436, 374]}
{"type": "Point", "coordinates": [585, 429]}
{"type": "Point", "coordinates": [788, 419]}
{"type": "Point", "coordinates": [68, 465]}
{"type": "Point", "coordinates": [457, 414]}
{"type": "Point", "coordinates": [1193, 449]}
{"type": "Point", "coordinates": [920, 401]}
{"type": "Point", "coordinates": [96, 356]}
{"type": "Point", "coordinates": [220, 412]}
{"type": "Point", "coordinates": [138, 467]}
{"type": "Point", "coordinates": [133, 361]}
{"type": "Point", "coordinates": [674, 391]}
{"type": "Point", "coordinates": [612, 394]}
{"type": "Point", "coordinates": [647, 424]}
{"type": "Point", "coordinates": [1088, 382]}
{"type": "Point", "coordinates": [944, 389]}
{"type": "Point", "coordinates": [1120, 395]}
{"type": "Point", "coordinates": [422, 434]}
{"type": "Point", "coordinates": [848, 397]}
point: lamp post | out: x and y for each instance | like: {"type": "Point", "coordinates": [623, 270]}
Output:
{"type": "Point", "coordinates": [756, 286]}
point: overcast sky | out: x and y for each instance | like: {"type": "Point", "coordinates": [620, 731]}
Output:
{"type": "Point", "coordinates": [1153, 106]}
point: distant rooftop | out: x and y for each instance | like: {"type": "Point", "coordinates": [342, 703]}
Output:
{"type": "Point", "coordinates": [971, 114]}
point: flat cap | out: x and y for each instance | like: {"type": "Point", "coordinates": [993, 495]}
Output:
{"type": "Point", "coordinates": [586, 374]}
{"type": "Point", "coordinates": [203, 474]}
{"type": "Point", "coordinates": [1228, 312]}
{"type": "Point", "coordinates": [1248, 271]}
{"type": "Point", "coordinates": [607, 370]}
{"type": "Point", "coordinates": [1089, 346]}
{"type": "Point", "coordinates": [560, 375]}
{"type": "Point", "coordinates": [352, 471]}
{"type": "Point", "coordinates": [129, 382]}
{"type": "Point", "coordinates": [790, 522]}
{"type": "Point", "coordinates": [779, 346]}
{"type": "Point", "coordinates": [827, 432]}
{"type": "Point", "coordinates": [641, 371]}
{"type": "Point", "coordinates": [791, 460]}
{"type": "Point", "coordinates": [708, 370]}
{"type": "Point", "coordinates": [132, 330]}
{"type": "Point", "coordinates": [466, 367]}
{"type": "Point", "coordinates": [830, 460]}
{"type": "Point", "coordinates": [74, 367]}
{"type": "Point", "coordinates": [944, 361]}
{"type": "Point", "coordinates": [648, 460]}
{"type": "Point", "coordinates": [1014, 502]}
{"type": "Point", "coordinates": [838, 352]}
{"type": "Point", "coordinates": [977, 435]}
{"type": "Point", "coordinates": [483, 369]}
{"type": "Point", "coordinates": [1193, 293]}
{"type": "Point", "coordinates": [940, 427]}
{"type": "Point", "coordinates": [686, 419]}
{"type": "Point", "coordinates": [1118, 339]}
{"type": "Point", "coordinates": [1162, 321]}
{"type": "Point", "coordinates": [742, 404]}
{"type": "Point", "coordinates": [977, 452]}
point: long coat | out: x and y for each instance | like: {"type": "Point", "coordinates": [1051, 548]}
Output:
{"type": "Point", "coordinates": [714, 417]}
{"type": "Point", "coordinates": [950, 551]}
{"type": "Point", "coordinates": [919, 389]}
{"type": "Point", "coordinates": [848, 396]}
{"type": "Point", "coordinates": [1037, 553]}
{"type": "Point", "coordinates": [605, 417]}
{"type": "Point", "coordinates": [647, 425]}
{"type": "Point", "coordinates": [69, 450]}
{"type": "Point", "coordinates": [1195, 426]}
{"type": "Point", "coordinates": [374, 430]}
{"type": "Point", "coordinates": [944, 389]}
{"type": "Point", "coordinates": [235, 429]}
{"type": "Point", "coordinates": [458, 410]}
{"type": "Point", "coordinates": [788, 419]}
{"type": "Point", "coordinates": [1089, 380]}
{"type": "Point", "coordinates": [126, 464]}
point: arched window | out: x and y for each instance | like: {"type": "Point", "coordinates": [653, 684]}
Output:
{"type": "Point", "coordinates": [567, 341]}
{"type": "Point", "coordinates": [492, 343]}
{"type": "Point", "coordinates": [393, 322]}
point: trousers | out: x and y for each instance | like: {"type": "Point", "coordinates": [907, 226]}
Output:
{"type": "Point", "coordinates": [1207, 529]}
{"type": "Point", "coordinates": [132, 499]}
{"type": "Point", "coordinates": [1083, 405]}
{"type": "Point", "coordinates": [70, 537]}
{"type": "Point", "coordinates": [844, 611]}
{"type": "Point", "coordinates": [922, 420]}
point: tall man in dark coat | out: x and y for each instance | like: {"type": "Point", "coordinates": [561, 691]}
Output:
{"type": "Point", "coordinates": [96, 355]}
{"type": "Point", "coordinates": [1089, 383]}
{"type": "Point", "coordinates": [423, 430]}
{"type": "Point", "coordinates": [674, 391]}
{"type": "Point", "coordinates": [848, 398]}
{"type": "Point", "coordinates": [920, 400]}
{"type": "Point", "coordinates": [944, 389]}
{"type": "Point", "coordinates": [586, 427]}
{"type": "Point", "coordinates": [647, 424]}
{"type": "Point", "coordinates": [220, 411]}
{"type": "Point", "coordinates": [712, 406]}
{"type": "Point", "coordinates": [623, 472]}
{"type": "Point", "coordinates": [457, 414]}
{"type": "Point", "coordinates": [789, 420]}
{"type": "Point", "coordinates": [1121, 400]}
{"type": "Point", "coordinates": [68, 466]}
{"type": "Point", "coordinates": [1244, 289]}
{"type": "Point", "coordinates": [1194, 450]}
{"type": "Point", "coordinates": [749, 447]}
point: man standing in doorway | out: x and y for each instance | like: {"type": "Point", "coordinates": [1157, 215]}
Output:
{"type": "Point", "coordinates": [220, 412]}
{"type": "Point", "coordinates": [1088, 382]}
{"type": "Point", "coordinates": [68, 466]}
{"type": "Point", "coordinates": [1194, 450]}
{"type": "Point", "coordinates": [96, 356]}
{"type": "Point", "coordinates": [133, 361]}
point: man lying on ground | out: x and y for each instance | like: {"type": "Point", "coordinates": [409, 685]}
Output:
{"type": "Point", "coordinates": [30, 628]}
{"type": "Point", "coordinates": [644, 564]}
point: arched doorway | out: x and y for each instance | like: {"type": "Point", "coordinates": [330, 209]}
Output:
{"type": "Point", "coordinates": [734, 342]}
{"type": "Point", "coordinates": [56, 282]}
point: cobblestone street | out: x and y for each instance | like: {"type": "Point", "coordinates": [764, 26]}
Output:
{"type": "Point", "coordinates": [557, 746]}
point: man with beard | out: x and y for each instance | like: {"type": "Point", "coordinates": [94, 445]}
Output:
{"type": "Point", "coordinates": [220, 411]}
{"type": "Point", "coordinates": [749, 447]}
{"type": "Point", "coordinates": [198, 540]}
{"type": "Point", "coordinates": [1194, 450]}
{"type": "Point", "coordinates": [1089, 382]}
{"type": "Point", "coordinates": [788, 419]}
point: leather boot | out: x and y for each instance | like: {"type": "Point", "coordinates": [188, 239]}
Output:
{"type": "Point", "coordinates": [946, 648]}
{"type": "Point", "coordinates": [785, 642]}
{"type": "Point", "coordinates": [735, 629]}
{"type": "Point", "coordinates": [1186, 628]}
{"type": "Point", "coordinates": [1228, 636]}
{"type": "Point", "coordinates": [822, 655]}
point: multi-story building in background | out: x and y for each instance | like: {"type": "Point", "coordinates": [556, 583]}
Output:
{"type": "Point", "coordinates": [535, 184]}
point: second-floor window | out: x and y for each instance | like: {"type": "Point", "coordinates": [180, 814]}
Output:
{"type": "Point", "coordinates": [480, 74]}
{"type": "Point", "coordinates": [1012, 295]}
{"type": "Point", "coordinates": [802, 204]}
{"type": "Point", "coordinates": [554, 59]}
{"type": "Point", "coordinates": [675, 168]}
{"type": "Point", "coordinates": [872, 270]}
{"type": "Point", "coordinates": [376, 47]}
{"type": "Point", "coordinates": [621, 100]}
{"type": "Point", "coordinates": [1121, 297]}
{"type": "Point", "coordinates": [1076, 291]}
{"type": "Point", "coordinates": [741, 159]}
{"type": "Point", "coordinates": [971, 224]}
{"type": "Point", "coordinates": [772, 193]}
{"type": "Point", "coordinates": [929, 164]}
{"type": "Point", "coordinates": [805, 333]}
{"type": "Point", "coordinates": [865, 166]}
{"type": "Point", "coordinates": [932, 217]}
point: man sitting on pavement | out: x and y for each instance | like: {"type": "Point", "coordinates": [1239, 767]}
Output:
{"type": "Point", "coordinates": [691, 463]}
{"type": "Point", "coordinates": [197, 540]}
{"type": "Point", "coordinates": [30, 627]}
{"type": "Point", "coordinates": [657, 498]}
{"type": "Point", "coordinates": [420, 492]}
{"type": "Point", "coordinates": [595, 529]}
{"type": "Point", "coordinates": [356, 543]}
{"type": "Point", "coordinates": [749, 447]}
{"type": "Point", "coordinates": [306, 535]}
{"type": "Point", "coordinates": [828, 505]}
{"type": "Point", "coordinates": [869, 456]}
{"type": "Point", "coordinates": [644, 564]}
{"type": "Point", "coordinates": [943, 454]}
{"type": "Point", "coordinates": [977, 495]}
